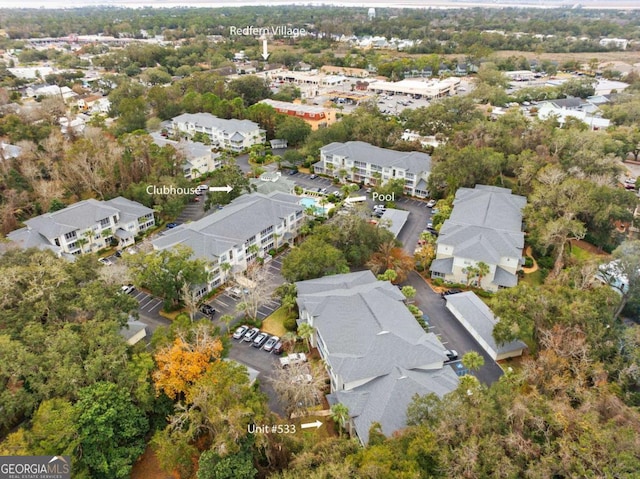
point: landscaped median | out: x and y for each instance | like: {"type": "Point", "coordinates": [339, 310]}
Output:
{"type": "Point", "coordinates": [274, 323]}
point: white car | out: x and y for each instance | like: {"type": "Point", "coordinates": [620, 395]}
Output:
{"type": "Point", "coordinates": [431, 203]}
{"type": "Point", "coordinates": [127, 288]}
{"type": "Point", "coordinates": [240, 332]}
{"type": "Point", "coordinates": [271, 343]}
{"type": "Point", "coordinates": [294, 358]}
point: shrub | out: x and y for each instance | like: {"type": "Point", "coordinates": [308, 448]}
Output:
{"type": "Point", "coordinates": [290, 324]}
{"type": "Point", "coordinates": [438, 281]}
{"type": "Point", "coordinates": [528, 262]}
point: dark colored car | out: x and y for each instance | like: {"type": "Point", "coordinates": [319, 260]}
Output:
{"type": "Point", "coordinates": [451, 354]}
{"type": "Point", "coordinates": [260, 339]}
{"type": "Point", "coordinates": [450, 291]}
{"type": "Point", "coordinates": [278, 348]}
{"type": "Point", "coordinates": [208, 310]}
{"type": "Point", "coordinates": [293, 172]}
{"type": "Point", "coordinates": [172, 225]}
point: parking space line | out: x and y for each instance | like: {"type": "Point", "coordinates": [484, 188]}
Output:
{"type": "Point", "coordinates": [150, 300]}
{"type": "Point", "coordinates": [220, 302]}
{"type": "Point", "coordinates": [140, 293]}
{"type": "Point", "coordinates": [157, 304]}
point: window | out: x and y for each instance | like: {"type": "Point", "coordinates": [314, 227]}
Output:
{"type": "Point", "coordinates": [266, 231]}
{"type": "Point", "coordinates": [437, 275]}
{"type": "Point", "coordinates": [70, 236]}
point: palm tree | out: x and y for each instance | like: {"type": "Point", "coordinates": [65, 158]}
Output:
{"type": "Point", "coordinates": [305, 331]}
{"type": "Point", "coordinates": [289, 339]}
{"type": "Point", "coordinates": [391, 257]}
{"type": "Point", "coordinates": [340, 414]}
{"type": "Point", "coordinates": [472, 361]}
{"type": "Point", "coordinates": [227, 319]}
{"type": "Point", "coordinates": [482, 269]}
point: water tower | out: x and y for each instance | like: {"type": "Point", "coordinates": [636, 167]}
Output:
{"type": "Point", "coordinates": [371, 14]}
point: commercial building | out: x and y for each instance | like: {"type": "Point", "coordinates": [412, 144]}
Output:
{"type": "Point", "coordinates": [315, 116]}
{"type": "Point", "coordinates": [86, 227]}
{"type": "Point", "coordinates": [485, 226]}
{"type": "Point", "coordinates": [234, 135]}
{"type": "Point", "coordinates": [362, 162]}
{"type": "Point", "coordinates": [377, 355]}
{"type": "Point", "coordinates": [417, 89]}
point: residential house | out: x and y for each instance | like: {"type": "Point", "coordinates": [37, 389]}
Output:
{"type": "Point", "coordinates": [134, 331]}
{"type": "Point", "coordinates": [94, 104]}
{"type": "Point", "coordinates": [479, 320]}
{"type": "Point", "coordinates": [485, 226]}
{"type": "Point", "coordinates": [377, 356]}
{"type": "Point", "coordinates": [86, 226]}
{"type": "Point", "coordinates": [548, 110]}
{"type": "Point", "coordinates": [249, 227]}
{"type": "Point", "coordinates": [199, 159]}
{"type": "Point", "coordinates": [273, 181]}
{"type": "Point", "coordinates": [362, 162]}
{"type": "Point", "coordinates": [65, 93]}
{"type": "Point", "coordinates": [234, 135]}
{"type": "Point", "coordinates": [315, 116]}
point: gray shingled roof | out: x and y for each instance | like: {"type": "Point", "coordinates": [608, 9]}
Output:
{"type": "Point", "coordinates": [129, 210]}
{"type": "Point", "coordinates": [245, 217]}
{"type": "Point", "coordinates": [443, 266]}
{"type": "Point", "coordinates": [504, 277]}
{"type": "Point", "coordinates": [207, 120]}
{"type": "Point", "coordinates": [386, 398]}
{"type": "Point", "coordinates": [488, 206]}
{"type": "Point", "coordinates": [370, 335]}
{"type": "Point", "coordinates": [481, 319]}
{"type": "Point", "coordinates": [485, 224]}
{"type": "Point", "coordinates": [396, 218]}
{"type": "Point", "coordinates": [414, 162]}
{"type": "Point", "coordinates": [79, 215]}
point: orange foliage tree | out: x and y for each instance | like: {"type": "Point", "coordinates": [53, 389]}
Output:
{"type": "Point", "coordinates": [185, 361]}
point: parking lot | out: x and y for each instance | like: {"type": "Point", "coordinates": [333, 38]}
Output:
{"type": "Point", "coordinates": [264, 363]}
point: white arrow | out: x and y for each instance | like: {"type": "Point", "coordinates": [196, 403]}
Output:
{"type": "Point", "coordinates": [315, 424]}
{"type": "Point", "coordinates": [226, 189]}
{"type": "Point", "coordinates": [265, 54]}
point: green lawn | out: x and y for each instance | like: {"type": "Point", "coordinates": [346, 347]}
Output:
{"type": "Point", "coordinates": [580, 253]}
{"type": "Point", "coordinates": [274, 323]}
{"type": "Point", "coordinates": [534, 279]}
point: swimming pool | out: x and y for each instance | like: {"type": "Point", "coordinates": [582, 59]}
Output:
{"type": "Point", "coordinates": [313, 203]}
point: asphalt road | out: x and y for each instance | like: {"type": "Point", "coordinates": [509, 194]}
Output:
{"type": "Point", "coordinates": [445, 325]}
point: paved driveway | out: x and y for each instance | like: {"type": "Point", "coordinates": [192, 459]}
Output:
{"type": "Point", "coordinates": [263, 362]}
{"type": "Point", "coordinates": [452, 334]}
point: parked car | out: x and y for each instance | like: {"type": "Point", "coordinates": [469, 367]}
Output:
{"type": "Point", "coordinates": [271, 343]}
{"type": "Point", "coordinates": [450, 291]}
{"type": "Point", "coordinates": [429, 225]}
{"type": "Point", "coordinates": [431, 203]}
{"type": "Point", "coordinates": [451, 354]}
{"type": "Point", "coordinates": [293, 172]}
{"type": "Point", "coordinates": [260, 339]}
{"type": "Point", "coordinates": [294, 358]}
{"type": "Point", "coordinates": [380, 207]}
{"type": "Point", "coordinates": [172, 225]}
{"type": "Point", "coordinates": [323, 190]}
{"type": "Point", "coordinates": [127, 288]}
{"type": "Point", "coordinates": [105, 261]}
{"type": "Point", "coordinates": [435, 211]}
{"type": "Point", "coordinates": [278, 348]}
{"type": "Point", "coordinates": [207, 309]}
{"type": "Point", "coordinates": [313, 176]}
{"type": "Point", "coordinates": [240, 332]}
{"type": "Point", "coordinates": [251, 334]}
{"type": "Point", "coordinates": [118, 253]}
